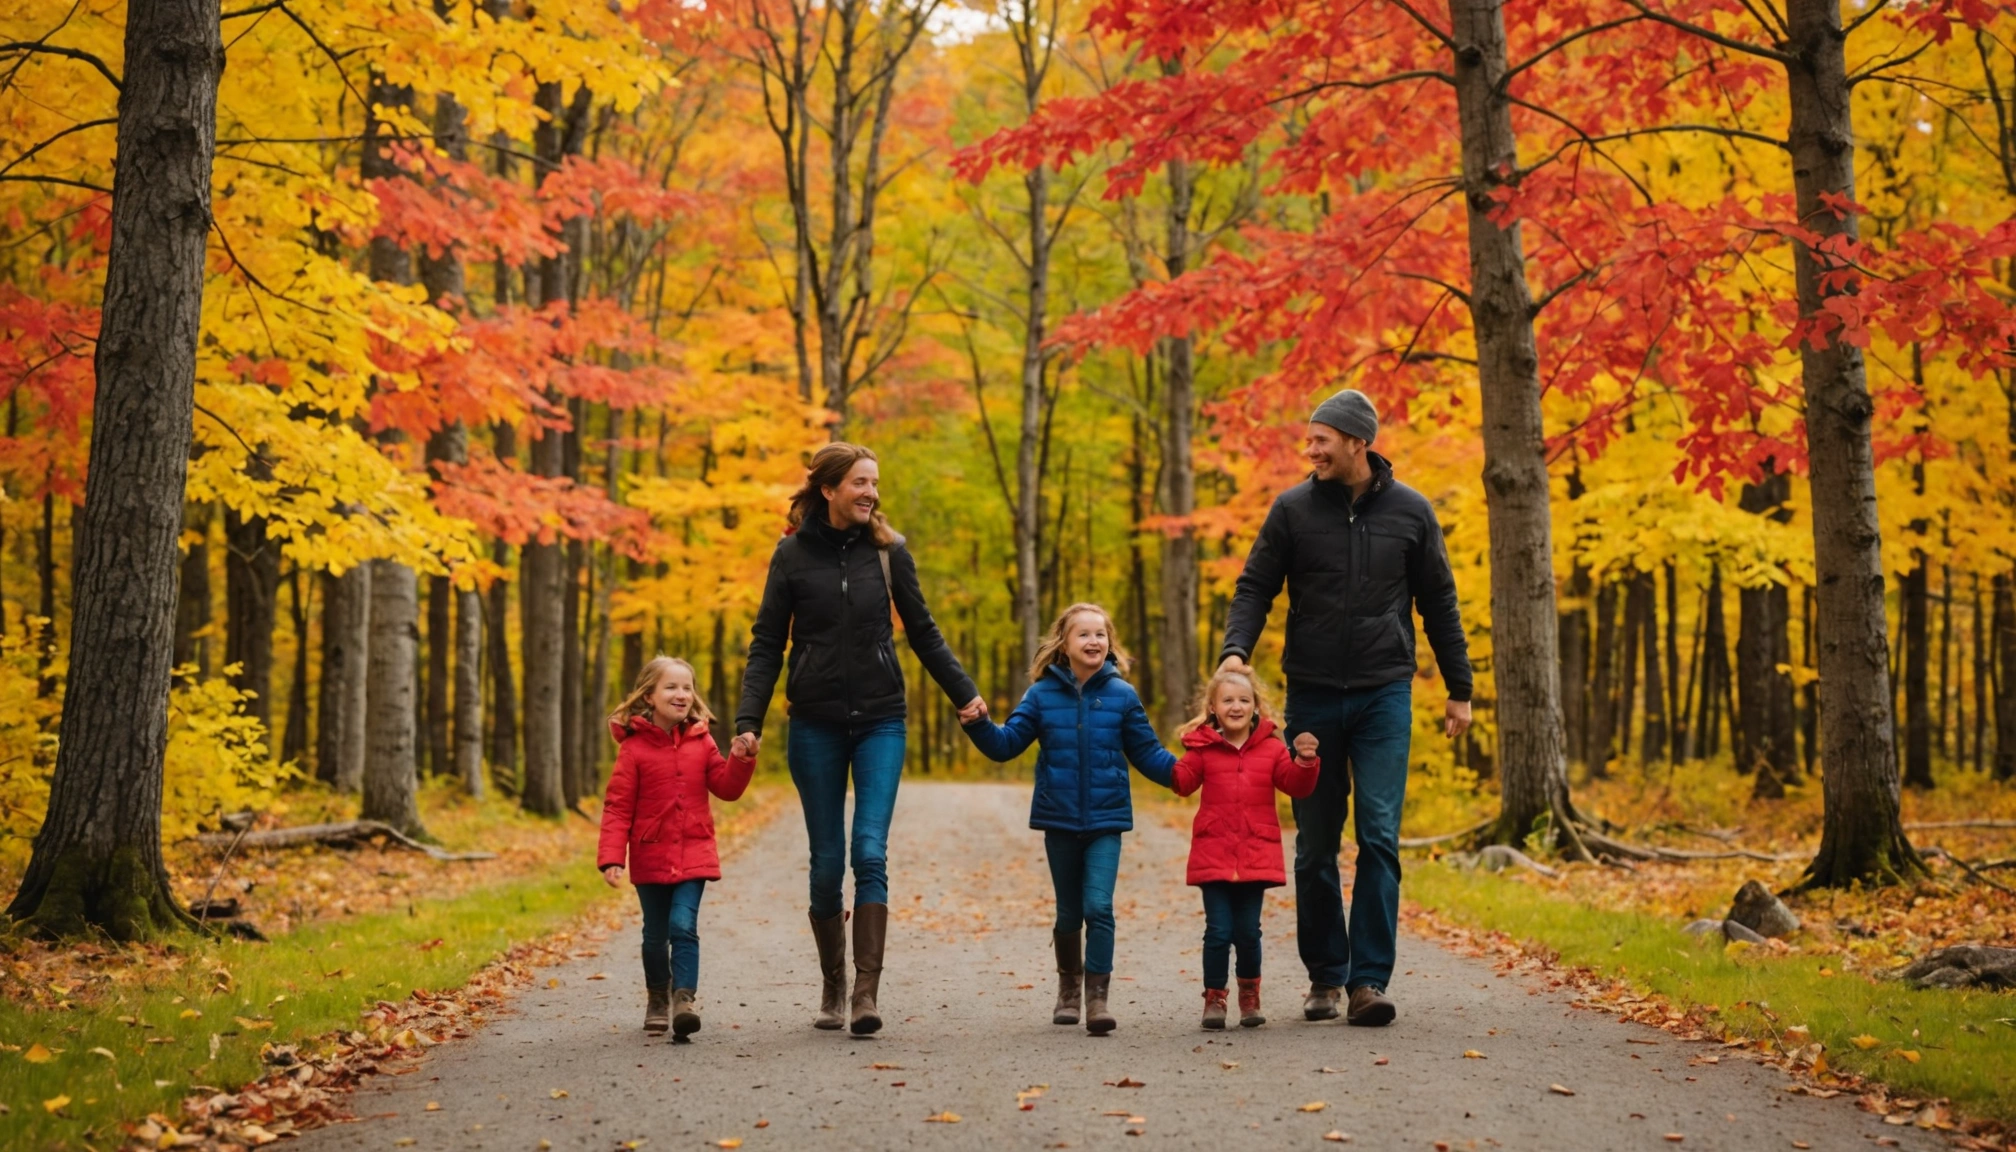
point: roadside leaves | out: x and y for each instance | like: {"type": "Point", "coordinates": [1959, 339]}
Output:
{"type": "Point", "coordinates": [943, 1118]}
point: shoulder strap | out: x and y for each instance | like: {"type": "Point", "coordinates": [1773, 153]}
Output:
{"type": "Point", "coordinates": [888, 581]}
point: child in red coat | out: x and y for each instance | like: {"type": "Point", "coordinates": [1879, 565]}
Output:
{"type": "Point", "coordinates": [1232, 753]}
{"type": "Point", "coordinates": [656, 813]}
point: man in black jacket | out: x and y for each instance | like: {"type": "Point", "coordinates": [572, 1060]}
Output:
{"type": "Point", "coordinates": [1356, 548]}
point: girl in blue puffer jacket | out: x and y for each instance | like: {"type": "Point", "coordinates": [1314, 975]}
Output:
{"type": "Point", "coordinates": [1089, 725]}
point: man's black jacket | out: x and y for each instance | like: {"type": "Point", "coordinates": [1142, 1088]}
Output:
{"type": "Point", "coordinates": [1352, 570]}
{"type": "Point", "coordinates": [826, 594]}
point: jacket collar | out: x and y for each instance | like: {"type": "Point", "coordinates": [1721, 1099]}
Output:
{"type": "Point", "coordinates": [1339, 493]}
{"type": "Point", "coordinates": [645, 727]}
{"type": "Point", "coordinates": [1063, 674]}
{"type": "Point", "coordinates": [823, 531]}
{"type": "Point", "coordinates": [1205, 736]}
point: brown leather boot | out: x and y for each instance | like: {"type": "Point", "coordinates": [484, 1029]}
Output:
{"type": "Point", "coordinates": [1249, 1003]}
{"type": "Point", "coordinates": [1098, 1021]}
{"type": "Point", "coordinates": [655, 1008]}
{"type": "Point", "coordinates": [871, 930]}
{"type": "Point", "coordinates": [1321, 1003]}
{"type": "Point", "coordinates": [1070, 977]}
{"type": "Point", "coordinates": [1369, 1007]}
{"type": "Point", "coordinates": [831, 936]}
{"type": "Point", "coordinates": [1214, 1009]}
{"type": "Point", "coordinates": [685, 1019]}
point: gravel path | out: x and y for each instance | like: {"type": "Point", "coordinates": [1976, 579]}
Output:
{"type": "Point", "coordinates": [966, 997]}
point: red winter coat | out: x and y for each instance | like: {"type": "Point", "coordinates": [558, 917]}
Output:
{"type": "Point", "coordinates": [656, 805]}
{"type": "Point", "coordinates": [1237, 835]}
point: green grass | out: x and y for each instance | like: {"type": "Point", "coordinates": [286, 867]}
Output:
{"type": "Point", "coordinates": [1966, 1040]}
{"type": "Point", "coordinates": [328, 973]}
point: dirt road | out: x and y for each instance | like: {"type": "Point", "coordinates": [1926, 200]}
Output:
{"type": "Point", "coordinates": [967, 996]}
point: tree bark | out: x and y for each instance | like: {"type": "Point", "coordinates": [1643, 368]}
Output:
{"type": "Point", "coordinates": [1653, 745]}
{"type": "Point", "coordinates": [1179, 475]}
{"type": "Point", "coordinates": [1575, 666]}
{"type": "Point", "coordinates": [1532, 766]}
{"type": "Point", "coordinates": [497, 623]}
{"type": "Point", "coordinates": [1862, 835]}
{"type": "Point", "coordinates": [1634, 631]}
{"type": "Point", "coordinates": [97, 858]}
{"type": "Point", "coordinates": [1714, 668]}
{"type": "Point", "coordinates": [1766, 741]}
{"type": "Point", "coordinates": [2004, 683]}
{"type": "Point", "coordinates": [391, 771]}
{"type": "Point", "coordinates": [1602, 691]}
{"type": "Point", "coordinates": [192, 609]}
{"type": "Point", "coordinates": [1917, 688]}
{"type": "Point", "coordinates": [252, 602]}
{"type": "Point", "coordinates": [294, 740]}
{"type": "Point", "coordinates": [346, 649]}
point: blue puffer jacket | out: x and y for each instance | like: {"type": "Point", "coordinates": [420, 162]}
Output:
{"type": "Point", "coordinates": [1087, 737]}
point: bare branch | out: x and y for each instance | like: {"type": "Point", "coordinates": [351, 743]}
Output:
{"type": "Point", "coordinates": [1712, 36]}
{"type": "Point", "coordinates": [36, 47]}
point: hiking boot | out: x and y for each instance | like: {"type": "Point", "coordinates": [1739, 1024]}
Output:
{"type": "Point", "coordinates": [1369, 1007]}
{"type": "Point", "coordinates": [1249, 1003]}
{"type": "Point", "coordinates": [655, 1008]}
{"type": "Point", "coordinates": [1098, 1021]}
{"type": "Point", "coordinates": [871, 930]}
{"type": "Point", "coordinates": [830, 935]}
{"type": "Point", "coordinates": [1070, 977]}
{"type": "Point", "coordinates": [1214, 1009]}
{"type": "Point", "coordinates": [685, 1018]}
{"type": "Point", "coordinates": [1321, 1003]}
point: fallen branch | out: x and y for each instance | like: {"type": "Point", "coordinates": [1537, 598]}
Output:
{"type": "Point", "coordinates": [1679, 856]}
{"type": "Point", "coordinates": [1935, 825]}
{"type": "Point", "coordinates": [1426, 841]}
{"type": "Point", "coordinates": [346, 832]}
{"type": "Point", "coordinates": [1975, 873]}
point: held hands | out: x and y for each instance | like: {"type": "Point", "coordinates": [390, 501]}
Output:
{"type": "Point", "coordinates": [1305, 746]}
{"type": "Point", "coordinates": [974, 709]}
{"type": "Point", "coordinates": [1456, 718]}
{"type": "Point", "coordinates": [744, 747]}
{"type": "Point", "coordinates": [613, 875]}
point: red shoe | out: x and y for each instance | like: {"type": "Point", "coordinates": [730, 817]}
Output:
{"type": "Point", "coordinates": [1214, 1009]}
{"type": "Point", "coordinates": [1249, 1003]}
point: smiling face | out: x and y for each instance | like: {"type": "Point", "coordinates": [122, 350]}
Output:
{"type": "Point", "coordinates": [852, 502]}
{"type": "Point", "coordinates": [1336, 456]}
{"type": "Point", "coordinates": [1087, 641]}
{"type": "Point", "coordinates": [1232, 703]}
{"type": "Point", "coordinates": [672, 699]}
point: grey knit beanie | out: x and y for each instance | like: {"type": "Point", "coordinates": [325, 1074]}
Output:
{"type": "Point", "coordinates": [1351, 413]}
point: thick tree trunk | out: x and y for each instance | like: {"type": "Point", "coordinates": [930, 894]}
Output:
{"type": "Point", "coordinates": [1575, 666]}
{"type": "Point", "coordinates": [251, 609]}
{"type": "Point", "coordinates": [1917, 687]}
{"type": "Point", "coordinates": [346, 652]}
{"type": "Point", "coordinates": [1634, 631]}
{"type": "Point", "coordinates": [439, 664]}
{"type": "Point", "coordinates": [294, 740]}
{"type": "Point", "coordinates": [1532, 766]}
{"type": "Point", "coordinates": [1653, 746]}
{"type": "Point", "coordinates": [1862, 835]}
{"type": "Point", "coordinates": [497, 625]}
{"type": "Point", "coordinates": [469, 691]}
{"type": "Point", "coordinates": [192, 608]}
{"type": "Point", "coordinates": [2004, 678]}
{"type": "Point", "coordinates": [1714, 668]}
{"type": "Point", "coordinates": [391, 773]}
{"type": "Point", "coordinates": [97, 859]}
{"type": "Point", "coordinates": [1941, 731]}
{"type": "Point", "coordinates": [1179, 475]}
{"type": "Point", "coordinates": [1602, 690]}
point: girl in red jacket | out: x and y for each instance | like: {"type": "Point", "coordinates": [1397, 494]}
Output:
{"type": "Point", "coordinates": [1232, 753]}
{"type": "Point", "coordinates": [656, 810]}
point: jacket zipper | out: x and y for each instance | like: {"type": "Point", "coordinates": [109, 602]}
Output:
{"type": "Point", "coordinates": [846, 630]}
{"type": "Point", "coordinates": [1084, 762]}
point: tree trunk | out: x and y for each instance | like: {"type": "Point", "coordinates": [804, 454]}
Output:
{"type": "Point", "coordinates": [251, 610]}
{"type": "Point", "coordinates": [1179, 476]}
{"type": "Point", "coordinates": [97, 858]}
{"type": "Point", "coordinates": [1862, 834]}
{"type": "Point", "coordinates": [497, 613]}
{"type": "Point", "coordinates": [1714, 668]}
{"type": "Point", "coordinates": [1981, 677]}
{"type": "Point", "coordinates": [1941, 729]}
{"type": "Point", "coordinates": [1766, 712]}
{"type": "Point", "coordinates": [439, 665]}
{"type": "Point", "coordinates": [1602, 691]}
{"type": "Point", "coordinates": [294, 741]}
{"type": "Point", "coordinates": [1634, 630]}
{"type": "Point", "coordinates": [2005, 680]}
{"type": "Point", "coordinates": [1575, 665]}
{"type": "Point", "coordinates": [1653, 746]}
{"type": "Point", "coordinates": [1028, 459]}
{"type": "Point", "coordinates": [391, 773]}
{"type": "Point", "coordinates": [346, 648]}
{"type": "Point", "coordinates": [45, 643]}
{"type": "Point", "coordinates": [1917, 689]}
{"type": "Point", "coordinates": [469, 691]}
{"type": "Point", "coordinates": [1531, 764]}
{"type": "Point", "coordinates": [192, 609]}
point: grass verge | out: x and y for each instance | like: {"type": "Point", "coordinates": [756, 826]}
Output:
{"type": "Point", "coordinates": [1932, 1043]}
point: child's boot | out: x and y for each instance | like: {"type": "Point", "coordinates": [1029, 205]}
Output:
{"type": "Point", "coordinates": [830, 935]}
{"type": "Point", "coordinates": [655, 1009]}
{"type": "Point", "coordinates": [1070, 977]}
{"type": "Point", "coordinates": [1214, 1009]}
{"type": "Point", "coordinates": [685, 1018]}
{"type": "Point", "coordinates": [1098, 1021]}
{"type": "Point", "coordinates": [1249, 1003]}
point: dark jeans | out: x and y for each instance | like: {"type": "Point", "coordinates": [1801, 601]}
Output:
{"type": "Point", "coordinates": [1362, 737]}
{"type": "Point", "coordinates": [672, 912]}
{"type": "Point", "coordinates": [1232, 916]}
{"type": "Point", "coordinates": [821, 756]}
{"type": "Point", "coordinates": [1082, 870]}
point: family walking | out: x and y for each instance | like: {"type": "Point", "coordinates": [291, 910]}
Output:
{"type": "Point", "coordinates": [1358, 552]}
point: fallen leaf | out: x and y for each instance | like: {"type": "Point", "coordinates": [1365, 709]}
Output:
{"type": "Point", "coordinates": [599, 976]}
{"type": "Point", "coordinates": [552, 982]}
{"type": "Point", "coordinates": [558, 1094]}
{"type": "Point", "coordinates": [1327, 1068]}
{"type": "Point", "coordinates": [1125, 1082]}
{"type": "Point", "coordinates": [1865, 1041]}
{"type": "Point", "coordinates": [1802, 1143]}
{"type": "Point", "coordinates": [633, 1145]}
{"type": "Point", "coordinates": [1473, 1054]}
{"type": "Point", "coordinates": [55, 1104]}
{"type": "Point", "coordinates": [729, 1142]}
{"type": "Point", "coordinates": [258, 1137]}
{"type": "Point", "coordinates": [1381, 1062]}
{"type": "Point", "coordinates": [1137, 1119]}
{"type": "Point", "coordinates": [192, 1014]}
{"type": "Point", "coordinates": [1907, 1054]}
{"type": "Point", "coordinates": [1026, 1106]}
{"type": "Point", "coordinates": [433, 1105]}
{"type": "Point", "coordinates": [404, 1142]}
{"type": "Point", "coordinates": [1674, 1137]}
{"type": "Point", "coordinates": [762, 1123]}
{"type": "Point", "coordinates": [37, 1054]}
{"type": "Point", "coordinates": [1229, 1064]}
{"type": "Point", "coordinates": [943, 1118]}
{"type": "Point", "coordinates": [1313, 1106]}
{"type": "Point", "coordinates": [1559, 1090]}
{"type": "Point", "coordinates": [430, 945]}
{"type": "Point", "coordinates": [252, 1024]}
{"type": "Point", "coordinates": [1336, 1137]}
{"type": "Point", "coordinates": [886, 1067]}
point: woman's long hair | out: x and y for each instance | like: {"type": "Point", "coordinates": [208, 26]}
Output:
{"type": "Point", "coordinates": [1263, 708]}
{"type": "Point", "coordinates": [638, 702]}
{"type": "Point", "coordinates": [1051, 650]}
{"type": "Point", "coordinates": [828, 468]}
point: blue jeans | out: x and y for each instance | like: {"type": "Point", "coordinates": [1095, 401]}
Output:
{"type": "Point", "coordinates": [1363, 737]}
{"type": "Point", "coordinates": [820, 756]}
{"type": "Point", "coordinates": [1232, 916]}
{"type": "Point", "coordinates": [1083, 869]}
{"type": "Point", "coordinates": [672, 912]}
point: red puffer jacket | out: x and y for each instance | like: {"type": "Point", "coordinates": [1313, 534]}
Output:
{"type": "Point", "coordinates": [1237, 835]}
{"type": "Point", "coordinates": [656, 805]}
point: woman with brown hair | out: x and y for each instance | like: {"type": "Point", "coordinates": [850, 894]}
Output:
{"type": "Point", "coordinates": [833, 579]}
